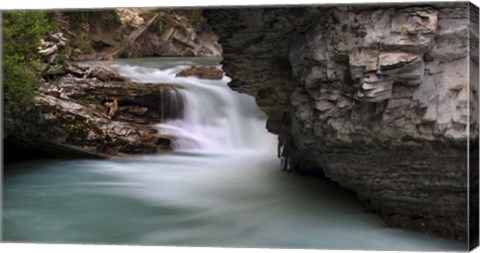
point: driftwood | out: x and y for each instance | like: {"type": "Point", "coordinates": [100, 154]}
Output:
{"type": "Point", "coordinates": [133, 38]}
{"type": "Point", "coordinates": [68, 32]}
{"type": "Point", "coordinates": [61, 21]}
{"type": "Point", "coordinates": [65, 23]}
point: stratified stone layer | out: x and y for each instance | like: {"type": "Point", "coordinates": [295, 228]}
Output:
{"type": "Point", "coordinates": [375, 98]}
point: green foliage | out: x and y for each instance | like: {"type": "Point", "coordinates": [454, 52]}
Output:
{"type": "Point", "coordinates": [21, 32]}
{"type": "Point", "coordinates": [19, 83]}
{"type": "Point", "coordinates": [168, 18]}
{"type": "Point", "coordinates": [52, 19]}
{"type": "Point", "coordinates": [193, 16]}
{"type": "Point", "coordinates": [158, 25]}
{"type": "Point", "coordinates": [181, 26]}
{"type": "Point", "coordinates": [110, 19]}
{"type": "Point", "coordinates": [82, 41]}
{"type": "Point", "coordinates": [76, 19]}
{"type": "Point", "coordinates": [60, 59]}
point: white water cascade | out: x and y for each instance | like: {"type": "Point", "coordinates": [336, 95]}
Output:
{"type": "Point", "coordinates": [216, 119]}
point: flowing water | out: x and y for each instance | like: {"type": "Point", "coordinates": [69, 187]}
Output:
{"type": "Point", "coordinates": [221, 187]}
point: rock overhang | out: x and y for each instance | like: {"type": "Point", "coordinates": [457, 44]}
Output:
{"type": "Point", "coordinates": [343, 83]}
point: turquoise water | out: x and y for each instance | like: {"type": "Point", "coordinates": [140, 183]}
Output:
{"type": "Point", "coordinates": [229, 193]}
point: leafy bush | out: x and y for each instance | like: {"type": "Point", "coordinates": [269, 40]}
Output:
{"type": "Point", "coordinates": [19, 83]}
{"type": "Point", "coordinates": [83, 42]}
{"type": "Point", "coordinates": [181, 26]}
{"type": "Point", "coordinates": [110, 19]}
{"type": "Point", "coordinates": [21, 32]}
{"type": "Point", "coordinates": [76, 19]}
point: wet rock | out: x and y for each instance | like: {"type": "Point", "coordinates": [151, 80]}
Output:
{"type": "Point", "coordinates": [71, 120]}
{"type": "Point", "coordinates": [202, 72]}
{"type": "Point", "coordinates": [362, 95]}
{"type": "Point", "coordinates": [76, 70]}
{"type": "Point", "coordinates": [103, 73]}
{"type": "Point", "coordinates": [137, 103]}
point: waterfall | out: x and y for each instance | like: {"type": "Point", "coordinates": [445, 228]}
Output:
{"type": "Point", "coordinates": [172, 104]}
{"type": "Point", "coordinates": [215, 118]}
{"type": "Point", "coordinates": [229, 177]}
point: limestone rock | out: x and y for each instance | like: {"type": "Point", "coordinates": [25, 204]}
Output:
{"type": "Point", "coordinates": [49, 51]}
{"type": "Point", "coordinates": [130, 16]}
{"type": "Point", "coordinates": [71, 120]}
{"type": "Point", "coordinates": [202, 72]}
{"type": "Point", "coordinates": [76, 70]}
{"type": "Point", "coordinates": [103, 73]}
{"type": "Point", "coordinates": [377, 99]}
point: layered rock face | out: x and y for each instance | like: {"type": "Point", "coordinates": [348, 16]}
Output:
{"type": "Point", "coordinates": [145, 33]}
{"type": "Point", "coordinates": [100, 114]}
{"type": "Point", "coordinates": [382, 100]}
{"type": "Point", "coordinates": [255, 45]}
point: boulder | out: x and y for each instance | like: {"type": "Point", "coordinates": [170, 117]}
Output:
{"type": "Point", "coordinates": [202, 72]}
{"type": "Point", "coordinates": [103, 73]}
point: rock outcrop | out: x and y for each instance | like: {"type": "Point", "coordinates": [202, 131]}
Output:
{"type": "Point", "coordinates": [202, 72]}
{"type": "Point", "coordinates": [178, 39]}
{"type": "Point", "coordinates": [69, 117]}
{"type": "Point", "coordinates": [382, 100]}
{"type": "Point", "coordinates": [136, 32]}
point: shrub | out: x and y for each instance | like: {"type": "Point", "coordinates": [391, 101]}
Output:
{"type": "Point", "coordinates": [21, 32]}
{"type": "Point", "coordinates": [181, 26]}
{"type": "Point", "coordinates": [110, 19]}
{"type": "Point", "coordinates": [19, 83]}
{"type": "Point", "coordinates": [76, 19]}
{"type": "Point", "coordinates": [83, 42]}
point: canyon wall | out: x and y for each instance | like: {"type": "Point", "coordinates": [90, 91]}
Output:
{"type": "Point", "coordinates": [381, 99]}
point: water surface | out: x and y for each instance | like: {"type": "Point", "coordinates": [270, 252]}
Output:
{"type": "Point", "coordinates": [222, 187]}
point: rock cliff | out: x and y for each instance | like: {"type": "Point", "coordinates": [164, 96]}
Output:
{"type": "Point", "coordinates": [382, 100]}
{"type": "Point", "coordinates": [136, 32]}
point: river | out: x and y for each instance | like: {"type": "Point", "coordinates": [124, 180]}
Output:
{"type": "Point", "coordinates": [223, 186]}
